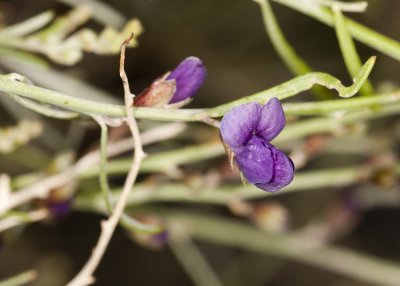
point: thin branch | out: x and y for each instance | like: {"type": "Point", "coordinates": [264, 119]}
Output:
{"type": "Point", "coordinates": [5, 188]}
{"type": "Point", "coordinates": [85, 276]}
{"type": "Point", "coordinates": [343, 6]}
{"type": "Point", "coordinates": [41, 188]}
{"type": "Point", "coordinates": [126, 221]}
{"type": "Point", "coordinates": [20, 279]}
{"type": "Point", "coordinates": [361, 33]}
{"type": "Point", "coordinates": [191, 258]}
{"type": "Point", "coordinates": [282, 91]}
{"type": "Point", "coordinates": [103, 178]}
{"type": "Point", "coordinates": [230, 233]}
{"type": "Point", "coordinates": [15, 220]}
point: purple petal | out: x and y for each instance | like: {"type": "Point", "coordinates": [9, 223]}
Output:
{"type": "Point", "coordinates": [189, 76]}
{"type": "Point", "coordinates": [272, 120]}
{"type": "Point", "coordinates": [239, 124]}
{"type": "Point", "coordinates": [255, 161]}
{"type": "Point", "coordinates": [60, 208]}
{"type": "Point", "coordinates": [283, 170]}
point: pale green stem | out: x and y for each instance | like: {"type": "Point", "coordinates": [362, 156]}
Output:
{"type": "Point", "coordinates": [193, 262]}
{"type": "Point", "coordinates": [323, 107]}
{"type": "Point", "coordinates": [297, 85]}
{"type": "Point", "coordinates": [163, 161]}
{"type": "Point", "coordinates": [145, 193]}
{"type": "Point", "coordinates": [28, 26]}
{"type": "Point", "coordinates": [103, 12]}
{"type": "Point", "coordinates": [365, 35]}
{"type": "Point", "coordinates": [23, 57]}
{"type": "Point", "coordinates": [360, 6]}
{"type": "Point", "coordinates": [125, 221]}
{"type": "Point", "coordinates": [103, 177]}
{"type": "Point", "coordinates": [20, 279]}
{"type": "Point", "coordinates": [348, 49]}
{"type": "Point", "coordinates": [324, 125]}
{"type": "Point", "coordinates": [282, 91]}
{"type": "Point", "coordinates": [283, 48]}
{"type": "Point", "coordinates": [339, 260]}
{"type": "Point", "coordinates": [292, 60]}
{"type": "Point", "coordinates": [65, 24]}
{"type": "Point", "coordinates": [43, 108]}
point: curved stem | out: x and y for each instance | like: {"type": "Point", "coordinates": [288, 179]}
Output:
{"type": "Point", "coordinates": [282, 91]}
{"type": "Point", "coordinates": [348, 50]}
{"type": "Point", "coordinates": [20, 279]}
{"type": "Point", "coordinates": [282, 47]}
{"type": "Point", "coordinates": [365, 35]}
{"type": "Point", "coordinates": [299, 84]}
{"type": "Point", "coordinates": [228, 232]}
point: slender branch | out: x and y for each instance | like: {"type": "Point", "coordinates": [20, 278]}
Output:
{"type": "Point", "coordinates": [348, 50]}
{"type": "Point", "coordinates": [20, 279]}
{"type": "Point", "coordinates": [299, 84]}
{"type": "Point", "coordinates": [191, 258]}
{"type": "Point", "coordinates": [294, 247]}
{"type": "Point", "coordinates": [360, 6]}
{"type": "Point", "coordinates": [126, 221]}
{"type": "Point", "coordinates": [282, 91]}
{"type": "Point", "coordinates": [85, 276]}
{"type": "Point", "coordinates": [282, 47]}
{"type": "Point", "coordinates": [365, 35]}
{"type": "Point", "coordinates": [103, 178]}
{"type": "Point", "coordinates": [33, 186]}
{"type": "Point", "coordinates": [15, 220]}
{"type": "Point", "coordinates": [221, 195]}
{"type": "Point", "coordinates": [28, 26]}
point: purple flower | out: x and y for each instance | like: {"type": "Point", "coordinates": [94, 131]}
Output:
{"type": "Point", "coordinates": [189, 75]}
{"type": "Point", "coordinates": [59, 207]}
{"type": "Point", "coordinates": [247, 130]}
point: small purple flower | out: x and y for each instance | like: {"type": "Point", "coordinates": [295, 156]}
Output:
{"type": "Point", "coordinates": [60, 207]}
{"type": "Point", "coordinates": [189, 75]}
{"type": "Point", "coordinates": [247, 130]}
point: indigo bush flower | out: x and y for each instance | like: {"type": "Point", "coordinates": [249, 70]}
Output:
{"type": "Point", "coordinates": [247, 131]}
{"type": "Point", "coordinates": [180, 84]}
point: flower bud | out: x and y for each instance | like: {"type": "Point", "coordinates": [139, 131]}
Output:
{"type": "Point", "coordinates": [189, 75]}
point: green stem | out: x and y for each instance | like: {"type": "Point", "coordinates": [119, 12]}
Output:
{"type": "Point", "coordinates": [145, 193]}
{"type": "Point", "coordinates": [103, 177]}
{"type": "Point", "coordinates": [230, 233]}
{"type": "Point", "coordinates": [292, 60]}
{"type": "Point", "coordinates": [193, 262]}
{"type": "Point", "coordinates": [164, 161]}
{"type": "Point", "coordinates": [312, 108]}
{"type": "Point", "coordinates": [348, 49]}
{"type": "Point", "coordinates": [297, 85]}
{"type": "Point", "coordinates": [282, 91]}
{"type": "Point", "coordinates": [365, 35]}
{"type": "Point", "coordinates": [28, 26]}
{"type": "Point", "coordinates": [125, 221]}
{"type": "Point", "coordinates": [322, 125]}
{"type": "Point", "coordinates": [20, 279]}
{"type": "Point", "coordinates": [283, 48]}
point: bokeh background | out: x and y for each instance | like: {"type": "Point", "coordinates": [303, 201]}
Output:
{"type": "Point", "coordinates": [230, 39]}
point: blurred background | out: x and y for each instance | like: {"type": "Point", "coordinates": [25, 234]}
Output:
{"type": "Point", "coordinates": [230, 38]}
